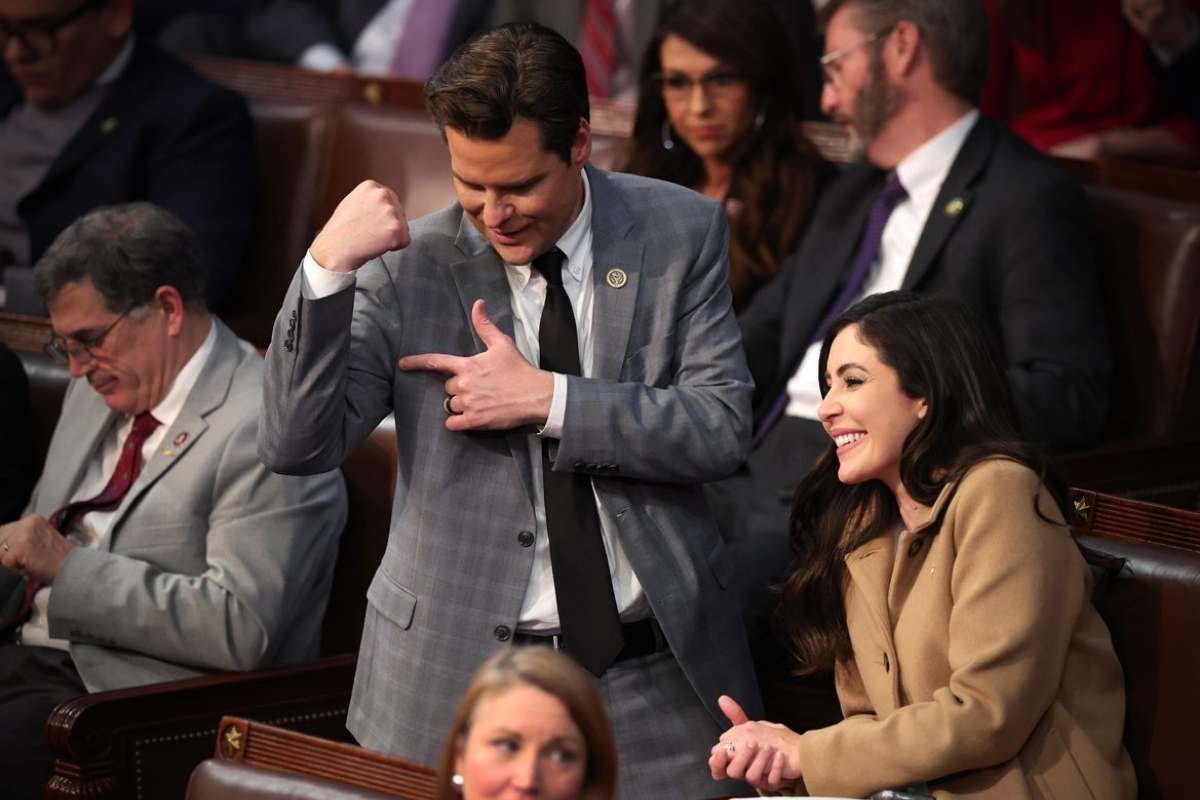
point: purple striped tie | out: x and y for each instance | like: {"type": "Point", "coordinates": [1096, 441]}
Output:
{"type": "Point", "coordinates": [891, 195]}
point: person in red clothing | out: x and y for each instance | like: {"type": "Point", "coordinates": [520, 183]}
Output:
{"type": "Point", "coordinates": [1074, 78]}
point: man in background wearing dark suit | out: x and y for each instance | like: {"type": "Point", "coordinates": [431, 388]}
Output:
{"type": "Point", "coordinates": [91, 117]}
{"type": "Point", "coordinates": [945, 202]}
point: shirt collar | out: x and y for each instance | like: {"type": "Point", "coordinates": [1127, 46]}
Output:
{"type": "Point", "coordinates": [922, 171]}
{"type": "Point", "coordinates": [169, 407]}
{"type": "Point", "coordinates": [572, 243]}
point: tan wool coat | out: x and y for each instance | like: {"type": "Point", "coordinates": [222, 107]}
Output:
{"type": "Point", "coordinates": [980, 665]}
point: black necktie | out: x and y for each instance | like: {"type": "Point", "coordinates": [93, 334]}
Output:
{"type": "Point", "coordinates": [587, 610]}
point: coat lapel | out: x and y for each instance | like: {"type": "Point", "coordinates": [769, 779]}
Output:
{"type": "Point", "coordinates": [208, 393]}
{"type": "Point", "coordinates": [85, 432]}
{"type": "Point", "coordinates": [124, 93]}
{"type": "Point", "coordinates": [481, 275]}
{"type": "Point", "coordinates": [953, 202]}
{"type": "Point", "coordinates": [616, 273]}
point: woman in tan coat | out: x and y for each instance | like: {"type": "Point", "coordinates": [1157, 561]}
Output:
{"type": "Point", "coordinates": [935, 573]}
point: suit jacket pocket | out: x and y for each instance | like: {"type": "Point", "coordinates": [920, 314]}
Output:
{"type": "Point", "coordinates": [392, 600]}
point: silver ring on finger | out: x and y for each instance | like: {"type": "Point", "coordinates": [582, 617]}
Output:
{"type": "Point", "coordinates": [729, 748]}
{"type": "Point", "coordinates": [446, 405]}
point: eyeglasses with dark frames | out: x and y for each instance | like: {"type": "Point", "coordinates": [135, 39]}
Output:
{"type": "Point", "coordinates": [677, 86]}
{"type": "Point", "coordinates": [62, 350]}
{"type": "Point", "coordinates": [37, 36]}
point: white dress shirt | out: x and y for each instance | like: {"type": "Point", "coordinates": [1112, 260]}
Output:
{"type": "Point", "coordinates": [921, 173]}
{"type": "Point", "coordinates": [527, 290]}
{"type": "Point", "coordinates": [93, 528]}
{"type": "Point", "coordinates": [374, 48]}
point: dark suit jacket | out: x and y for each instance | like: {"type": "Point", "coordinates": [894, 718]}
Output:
{"type": "Point", "coordinates": [16, 427]}
{"type": "Point", "coordinates": [162, 134]}
{"type": "Point", "coordinates": [283, 29]}
{"type": "Point", "coordinates": [1020, 253]}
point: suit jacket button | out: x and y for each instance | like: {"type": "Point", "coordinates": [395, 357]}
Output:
{"type": "Point", "coordinates": [525, 538]}
{"type": "Point", "coordinates": [915, 547]}
{"type": "Point", "coordinates": [502, 632]}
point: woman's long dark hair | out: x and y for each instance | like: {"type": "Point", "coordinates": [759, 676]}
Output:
{"type": "Point", "coordinates": [939, 353]}
{"type": "Point", "coordinates": [776, 169]}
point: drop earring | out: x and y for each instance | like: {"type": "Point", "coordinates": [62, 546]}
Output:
{"type": "Point", "coordinates": [667, 142]}
{"type": "Point", "coordinates": [458, 781]}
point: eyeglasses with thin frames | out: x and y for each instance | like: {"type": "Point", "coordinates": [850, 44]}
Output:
{"type": "Point", "coordinates": [38, 37]}
{"type": "Point", "coordinates": [63, 350]}
{"type": "Point", "coordinates": [676, 86]}
{"type": "Point", "coordinates": [830, 67]}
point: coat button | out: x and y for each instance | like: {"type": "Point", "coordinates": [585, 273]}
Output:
{"type": "Point", "coordinates": [525, 538]}
{"type": "Point", "coordinates": [502, 632]}
{"type": "Point", "coordinates": [887, 664]}
{"type": "Point", "coordinates": [915, 547]}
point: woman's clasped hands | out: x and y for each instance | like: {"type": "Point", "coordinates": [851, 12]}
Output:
{"type": "Point", "coordinates": [765, 755]}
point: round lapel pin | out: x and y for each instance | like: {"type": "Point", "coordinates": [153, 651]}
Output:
{"type": "Point", "coordinates": [108, 125]}
{"type": "Point", "coordinates": [955, 207]}
{"type": "Point", "coordinates": [616, 278]}
{"type": "Point", "coordinates": [180, 438]}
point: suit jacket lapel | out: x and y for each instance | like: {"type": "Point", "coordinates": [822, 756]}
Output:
{"type": "Point", "coordinates": [123, 95]}
{"type": "Point", "coordinates": [953, 201]}
{"type": "Point", "coordinates": [870, 568]}
{"type": "Point", "coordinates": [825, 266]}
{"type": "Point", "coordinates": [85, 432]}
{"type": "Point", "coordinates": [615, 257]}
{"type": "Point", "coordinates": [208, 393]}
{"type": "Point", "coordinates": [481, 275]}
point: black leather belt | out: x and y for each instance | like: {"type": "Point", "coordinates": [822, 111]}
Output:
{"type": "Point", "coordinates": [641, 639]}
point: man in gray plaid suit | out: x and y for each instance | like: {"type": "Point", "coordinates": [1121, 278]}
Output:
{"type": "Point", "coordinates": [444, 324]}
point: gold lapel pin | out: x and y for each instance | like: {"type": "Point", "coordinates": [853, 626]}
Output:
{"type": "Point", "coordinates": [168, 452]}
{"type": "Point", "coordinates": [108, 125]}
{"type": "Point", "coordinates": [955, 207]}
{"type": "Point", "coordinates": [616, 278]}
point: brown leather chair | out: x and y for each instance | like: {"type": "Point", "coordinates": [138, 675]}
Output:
{"type": "Point", "coordinates": [292, 149]}
{"type": "Point", "coordinates": [1150, 599]}
{"type": "Point", "coordinates": [254, 760]}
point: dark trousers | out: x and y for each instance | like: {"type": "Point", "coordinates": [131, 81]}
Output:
{"type": "Point", "coordinates": [33, 680]}
{"type": "Point", "coordinates": [753, 507]}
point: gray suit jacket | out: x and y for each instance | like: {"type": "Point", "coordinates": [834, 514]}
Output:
{"type": "Point", "coordinates": [213, 562]}
{"type": "Point", "coordinates": [667, 409]}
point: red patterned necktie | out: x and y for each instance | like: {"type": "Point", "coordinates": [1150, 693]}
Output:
{"type": "Point", "coordinates": [129, 466]}
{"type": "Point", "coordinates": [598, 46]}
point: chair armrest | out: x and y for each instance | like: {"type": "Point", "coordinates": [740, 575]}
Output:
{"type": "Point", "coordinates": [144, 742]}
{"type": "Point", "coordinates": [1154, 470]}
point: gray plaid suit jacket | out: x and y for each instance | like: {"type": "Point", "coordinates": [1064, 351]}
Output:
{"type": "Point", "coordinates": [667, 409]}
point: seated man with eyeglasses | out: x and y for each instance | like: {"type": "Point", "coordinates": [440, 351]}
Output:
{"type": "Point", "coordinates": [89, 116]}
{"type": "Point", "coordinates": [156, 545]}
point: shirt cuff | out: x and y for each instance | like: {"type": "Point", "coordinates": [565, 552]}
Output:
{"type": "Point", "coordinates": [558, 409]}
{"type": "Point", "coordinates": [322, 57]}
{"type": "Point", "coordinates": [320, 282]}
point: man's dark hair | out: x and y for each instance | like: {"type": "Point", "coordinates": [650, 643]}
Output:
{"type": "Point", "coordinates": [956, 35]}
{"type": "Point", "coordinates": [128, 251]}
{"type": "Point", "coordinates": [518, 71]}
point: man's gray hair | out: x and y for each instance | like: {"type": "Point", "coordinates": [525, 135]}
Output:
{"type": "Point", "coordinates": [955, 32]}
{"type": "Point", "coordinates": [128, 251]}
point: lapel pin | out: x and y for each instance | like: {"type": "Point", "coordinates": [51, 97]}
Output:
{"type": "Point", "coordinates": [108, 125]}
{"type": "Point", "coordinates": [168, 452]}
{"type": "Point", "coordinates": [955, 207]}
{"type": "Point", "coordinates": [180, 438]}
{"type": "Point", "coordinates": [616, 278]}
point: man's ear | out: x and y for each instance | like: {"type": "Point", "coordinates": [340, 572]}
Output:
{"type": "Point", "coordinates": [116, 18]}
{"type": "Point", "coordinates": [903, 43]}
{"type": "Point", "coordinates": [170, 303]}
{"type": "Point", "coordinates": [581, 148]}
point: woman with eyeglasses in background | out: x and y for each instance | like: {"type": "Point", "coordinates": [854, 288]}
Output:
{"type": "Point", "coordinates": [718, 111]}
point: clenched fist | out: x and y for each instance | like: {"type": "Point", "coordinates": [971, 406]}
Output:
{"type": "Point", "coordinates": [367, 223]}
